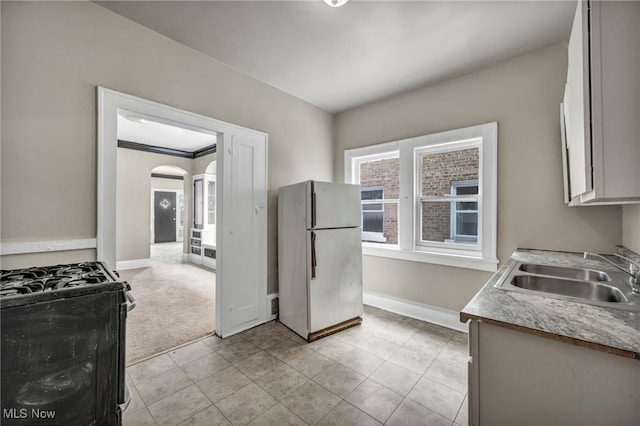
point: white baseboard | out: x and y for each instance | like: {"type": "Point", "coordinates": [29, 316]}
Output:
{"type": "Point", "coordinates": [209, 263]}
{"type": "Point", "coordinates": [133, 264]}
{"type": "Point", "coordinates": [420, 311]}
{"type": "Point", "coordinates": [198, 259]}
{"type": "Point", "coordinates": [46, 246]}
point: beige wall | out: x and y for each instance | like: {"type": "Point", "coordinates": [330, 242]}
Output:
{"type": "Point", "coordinates": [133, 204]}
{"type": "Point", "coordinates": [54, 54]}
{"type": "Point", "coordinates": [523, 95]}
{"type": "Point", "coordinates": [163, 183]}
{"type": "Point", "coordinates": [200, 164]}
{"type": "Point", "coordinates": [631, 227]}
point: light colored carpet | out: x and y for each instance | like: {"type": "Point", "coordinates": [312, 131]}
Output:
{"type": "Point", "coordinates": [175, 303]}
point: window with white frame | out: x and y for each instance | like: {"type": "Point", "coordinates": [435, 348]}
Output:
{"type": "Point", "coordinates": [430, 198]}
{"type": "Point", "coordinates": [464, 214]}
{"type": "Point", "coordinates": [372, 214]}
{"type": "Point", "coordinates": [379, 179]}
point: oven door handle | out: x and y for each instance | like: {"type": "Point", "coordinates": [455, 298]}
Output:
{"type": "Point", "coordinates": [131, 301]}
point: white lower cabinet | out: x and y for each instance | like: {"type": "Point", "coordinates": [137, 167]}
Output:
{"type": "Point", "coordinates": [201, 251]}
{"type": "Point", "coordinates": [517, 378]}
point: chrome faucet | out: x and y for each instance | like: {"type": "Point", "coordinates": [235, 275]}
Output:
{"type": "Point", "coordinates": [633, 271]}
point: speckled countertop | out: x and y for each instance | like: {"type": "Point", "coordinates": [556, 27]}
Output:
{"type": "Point", "coordinates": [600, 328]}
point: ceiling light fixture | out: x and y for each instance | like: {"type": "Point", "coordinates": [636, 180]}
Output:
{"type": "Point", "coordinates": [132, 117]}
{"type": "Point", "coordinates": [336, 3]}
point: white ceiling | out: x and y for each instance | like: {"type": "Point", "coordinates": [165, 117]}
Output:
{"type": "Point", "coordinates": [340, 58]}
{"type": "Point", "coordinates": [134, 127]}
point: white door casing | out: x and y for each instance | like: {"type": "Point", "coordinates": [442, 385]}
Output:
{"type": "Point", "coordinates": [241, 272]}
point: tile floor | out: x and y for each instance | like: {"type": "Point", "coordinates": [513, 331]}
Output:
{"type": "Point", "coordinates": [390, 370]}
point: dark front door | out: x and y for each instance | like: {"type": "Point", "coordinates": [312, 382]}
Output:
{"type": "Point", "coordinates": [164, 213]}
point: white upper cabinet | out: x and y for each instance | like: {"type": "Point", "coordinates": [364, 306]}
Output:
{"type": "Point", "coordinates": [601, 108]}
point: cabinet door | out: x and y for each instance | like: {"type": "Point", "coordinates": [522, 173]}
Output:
{"type": "Point", "coordinates": [577, 106]}
{"type": "Point", "coordinates": [615, 99]}
{"type": "Point", "coordinates": [529, 380]}
{"type": "Point", "coordinates": [335, 284]}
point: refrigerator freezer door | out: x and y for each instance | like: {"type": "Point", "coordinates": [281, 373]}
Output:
{"type": "Point", "coordinates": [334, 205]}
{"type": "Point", "coordinates": [335, 294]}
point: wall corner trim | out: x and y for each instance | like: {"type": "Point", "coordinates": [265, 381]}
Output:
{"type": "Point", "coordinates": [420, 311]}
{"type": "Point", "coordinates": [46, 246]}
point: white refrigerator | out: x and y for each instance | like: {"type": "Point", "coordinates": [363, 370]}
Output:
{"type": "Point", "coordinates": [319, 257]}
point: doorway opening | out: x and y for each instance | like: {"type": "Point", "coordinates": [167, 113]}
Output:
{"type": "Point", "coordinates": [167, 214]}
{"type": "Point", "coordinates": [241, 219]}
{"type": "Point", "coordinates": [175, 298]}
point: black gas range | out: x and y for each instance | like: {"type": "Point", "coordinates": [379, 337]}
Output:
{"type": "Point", "coordinates": [63, 345]}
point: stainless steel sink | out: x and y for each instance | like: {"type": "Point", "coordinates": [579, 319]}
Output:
{"type": "Point", "coordinates": [583, 285]}
{"type": "Point", "coordinates": [565, 272]}
{"type": "Point", "coordinates": [572, 288]}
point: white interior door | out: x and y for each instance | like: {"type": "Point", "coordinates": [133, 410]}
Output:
{"type": "Point", "coordinates": [241, 232]}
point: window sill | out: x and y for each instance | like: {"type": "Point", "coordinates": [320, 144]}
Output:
{"type": "Point", "coordinates": [458, 261]}
{"type": "Point", "coordinates": [374, 237]}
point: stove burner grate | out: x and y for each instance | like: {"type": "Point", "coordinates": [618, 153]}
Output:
{"type": "Point", "coordinates": [51, 278]}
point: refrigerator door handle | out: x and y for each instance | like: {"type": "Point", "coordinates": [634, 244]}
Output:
{"type": "Point", "coordinates": [314, 262]}
{"type": "Point", "coordinates": [313, 205]}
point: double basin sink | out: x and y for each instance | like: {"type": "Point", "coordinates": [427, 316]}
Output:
{"type": "Point", "coordinates": [609, 289]}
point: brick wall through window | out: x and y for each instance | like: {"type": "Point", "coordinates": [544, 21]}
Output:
{"type": "Point", "coordinates": [385, 174]}
{"type": "Point", "coordinates": [439, 172]}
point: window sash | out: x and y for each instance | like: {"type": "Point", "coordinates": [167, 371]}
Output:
{"type": "Point", "coordinates": [421, 244]}
{"type": "Point", "coordinates": [418, 158]}
{"type": "Point", "coordinates": [455, 211]}
{"type": "Point", "coordinates": [376, 205]}
{"type": "Point", "coordinates": [453, 199]}
{"type": "Point", "coordinates": [458, 234]}
{"type": "Point", "coordinates": [376, 238]}
{"type": "Point", "coordinates": [375, 216]}
{"type": "Point", "coordinates": [484, 137]}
